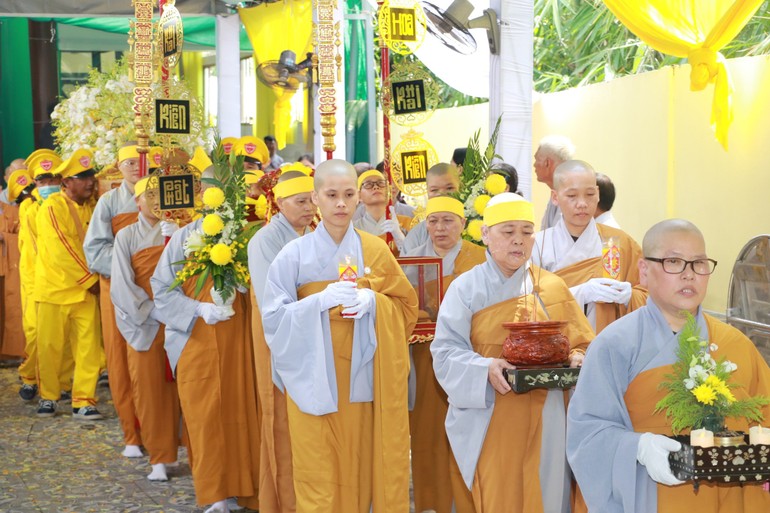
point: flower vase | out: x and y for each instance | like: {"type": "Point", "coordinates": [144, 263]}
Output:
{"type": "Point", "coordinates": [713, 422]}
{"type": "Point", "coordinates": [225, 304]}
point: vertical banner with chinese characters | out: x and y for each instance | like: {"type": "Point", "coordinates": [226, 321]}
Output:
{"type": "Point", "coordinates": [327, 69]}
{"type": "Point", "coordinates": [140, 43]}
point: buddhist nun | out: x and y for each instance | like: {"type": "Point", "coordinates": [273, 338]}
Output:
{"type": "Point", "coordinates": [373, 194]}
{"type": "Point", "coordinates": [597, 262]}
{"type": "Point", "coordinates": [136, 252]}
{"type": "Point", "coordinates": [296, 213]}
{"type": "Point", "coordinates": [616, 446]}
{"type": "Point", "coordinates": [115, 210]}
{"type": "Point", "coordinates": [441, 180]}
{"type": "Point", "coordinates": [337, 313]}
{"type": "Point", "coordinates": [210, 351]}
{"type": "Point", "coordinates": [436, 478]}
{"type": "Point", "coordinates": [509, 447]}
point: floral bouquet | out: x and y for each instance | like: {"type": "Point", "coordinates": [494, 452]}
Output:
{"type": "Point", "coordinates": [217, 249]}
{"type": "Point", "coordinates": [477, 184]}
{"type": "Point", "coordinates": [99, 116]}
{"type": "Point", "coordinates": [699, 392]}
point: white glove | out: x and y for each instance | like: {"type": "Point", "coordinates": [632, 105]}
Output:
{"type": "Point", "coordinates": [167, 228]}
{"type": "Point", "coordinates": [392, 227]}
{"type": "Point", "coordinates": [339, 293]}
{"type": "Point", "coordinates": [605, 290]}
{"type": "Point", "coordinates": [211, 313]}
{"type": "Point", "coordinates": [363, 305]}
{"type": "Point", "coordinates": [624, 292]}
{"type": "Point", "coordinates": [653, 453]}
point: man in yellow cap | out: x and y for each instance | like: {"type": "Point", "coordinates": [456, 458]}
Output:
{"type": "Point", "coordinates": [528, 471]}
{"type": "Point", "coordinates": [115, 210]}
{"type": "Point", "coordinates": [254, 152]}
{"type": "Point", "coordinates": [297, 211]}
{"type": "Point", "coordinates": [339, 351]}
{"type": "Point", "coordinates": [437, 482]}
{"type": "Point", "coordinates": [20, 186]}
{"type": "Point", "coordinates": [66, 290]}
{"type": "Point", "coordinates": [136, 251]}
{"type": "Point", "coordinates": [227, 144]}
{"type": "Point", "coordinates": [41, 164]}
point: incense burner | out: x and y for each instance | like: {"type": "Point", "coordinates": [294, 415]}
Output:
{"type": "Point", "coordinates": [536, 343]}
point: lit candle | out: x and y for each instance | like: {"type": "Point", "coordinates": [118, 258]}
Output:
{"type": "Point", "coordinates": [759, 435]}
{"type": "Point", "coordinates": [701, 438]}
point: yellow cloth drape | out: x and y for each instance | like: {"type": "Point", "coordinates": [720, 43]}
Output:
{"type": "Point", "coordinates": [697, 30]}
{"type": "Point", "coordinates": [273, 28]}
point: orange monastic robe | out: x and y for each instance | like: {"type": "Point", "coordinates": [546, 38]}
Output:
{"type": "Point", "coordinates": [435, 476]}
{"type": "Point", "coordinates": [155, 398]}
{"type": "Point", "coordinates": [11, 327]}
{"type": "Point", "coordinates": [644, 393]}
{"type": "Point", "coordinates": [218, 395]}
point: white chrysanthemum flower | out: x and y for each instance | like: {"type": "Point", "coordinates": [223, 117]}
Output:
{"type": "Point", "coordinates": [194, 242]}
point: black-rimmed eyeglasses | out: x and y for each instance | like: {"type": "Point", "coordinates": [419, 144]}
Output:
{"type": "Point", "coordinates": [380, 184]}
{"type": "Point", "coordinates": [702, 266]}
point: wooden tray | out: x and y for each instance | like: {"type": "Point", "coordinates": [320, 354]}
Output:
{"type": "Point", "coordinates": [740, 464]}
{"type": "Point", "coordinates": [524, 380]}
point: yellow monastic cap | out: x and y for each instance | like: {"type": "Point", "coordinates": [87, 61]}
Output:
{"type": "Point", "coordinates": [293, 186]}
{"type": "Point", "coordinates": [128, 152]}
{"type": "Point", "coordinates": [141, 186]}
{"type": "Point", "coordinates": [44, 163]}
{"type": "Point", "coordinates": [252, 147]}
{"type": "Point", "coordinates": [41, 151]}
{"type": "Point", "coordinates": [227, 144]}
{"type": "Point", "coordinates": [253, 176]}
{"type": "Point", "coordinates": [79, 164]}
{"type": "Point", "coordinates": [445, 204]}
{"type": "Point", "coordinates": [200, 160]}
{"type": "Point", "coordinates": [367, 174]}
{"type": "Point", "coordinates": [17, 182]}
{"type": "Point", "coordinates": [296, 166]}
{"type": "Point", "coordinates": [155, 157]}
{"type": "Point", "coordinates": [508, 206]}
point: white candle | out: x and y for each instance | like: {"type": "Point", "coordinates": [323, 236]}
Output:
{"type": "Point", "coordinates": [759, 435]}
{"type": "Point", "coordinates": [701, 438]}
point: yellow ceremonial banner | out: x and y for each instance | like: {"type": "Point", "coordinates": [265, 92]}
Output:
{"type": "Point", "coordinates": [273, 28]}
{"type": "Point", "coordinates": [697, 30]}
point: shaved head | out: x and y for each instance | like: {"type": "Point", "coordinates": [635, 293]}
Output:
{"type": "Point", "coordinates": [654, 238]}
{"type": "Point", "coordinates": [440, 169]}
{"type": "Point", "coordinates": [570, 167]}
{"type": "Point", "coordinates": [334, 167]}
{"type": "Point", "coordinates": [288, 175]}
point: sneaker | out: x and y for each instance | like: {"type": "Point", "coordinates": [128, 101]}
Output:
{"type": "Point", "coordinates": [66, 396]}
{"type": "Point", "coordinates": [46, 408]}
{"type": "Point", "coordinates": [27, 392]}
{"type": "Point", "coordinates": [86, 413]}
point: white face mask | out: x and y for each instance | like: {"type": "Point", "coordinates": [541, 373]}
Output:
{"type": "Point", "coordinates": [47, 190]}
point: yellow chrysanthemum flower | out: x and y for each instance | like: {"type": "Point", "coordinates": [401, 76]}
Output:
{"type": "Point", "coordinates": [213, 197]}
{"type": "Point", "coordinates": [221, 254]}
{"type": "Point", "coordinates": [495, 184]}
{"type": "Point", "coordinates": [212, 224]}
{"type": "Point", "coordinates": [704, 394]}
{"type": "Point", "coordinates": [474, 229]}
{"type": "Point", "coordinates": [260, 207]}
{"type": "Point", "coordinates": [480, 203]}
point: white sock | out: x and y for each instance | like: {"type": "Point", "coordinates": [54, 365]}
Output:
{"type": "Point", "coordinates": [218, 507]}
{"type": "Point", "coordinates": [132, 451]}
{"type": "Point", "coordinates": [158, 473]}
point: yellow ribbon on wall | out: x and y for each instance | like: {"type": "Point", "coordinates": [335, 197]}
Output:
{"type": "Point", "coordinates": [273, 28]}
{"type": "Point", "coordinates": [695, 29]}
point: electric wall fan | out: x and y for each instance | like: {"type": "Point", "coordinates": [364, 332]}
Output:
{"type": "Point", "coordinates": [451, 26]}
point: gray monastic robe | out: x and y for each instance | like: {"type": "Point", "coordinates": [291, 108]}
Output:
{"type": "Point", "coordinates": [99, 239]}
{"type": "Point", "coordinates": [132, 304]}
{"type": "Point", "coordinates": [463, 374]}
{"type": "Point", "coordinates": [601, 442]}
{"type": "Point", "coordinates": [551, 216]}
{"type": "Point", "coordinates": [293, 329]}
{"type": "Point", "coordinates": [176, 310]}
{"type": "Point", "coordinates": [417, 236]}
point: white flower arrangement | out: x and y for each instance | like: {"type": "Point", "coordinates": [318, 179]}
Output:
{"type": "Point", "coordinates": [99, 116]}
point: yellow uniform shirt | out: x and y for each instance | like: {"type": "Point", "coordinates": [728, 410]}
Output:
{"type": "Point", "coordinates": [61, 274]}
{"type": "Point", "coordinates": [28, 242]}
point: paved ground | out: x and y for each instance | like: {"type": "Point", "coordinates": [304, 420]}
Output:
{"type": "Point", "coordinates": [62, 466]}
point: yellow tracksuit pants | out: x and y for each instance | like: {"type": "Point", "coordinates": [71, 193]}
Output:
{"type": "Point", "coordinates": [78, 323]}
